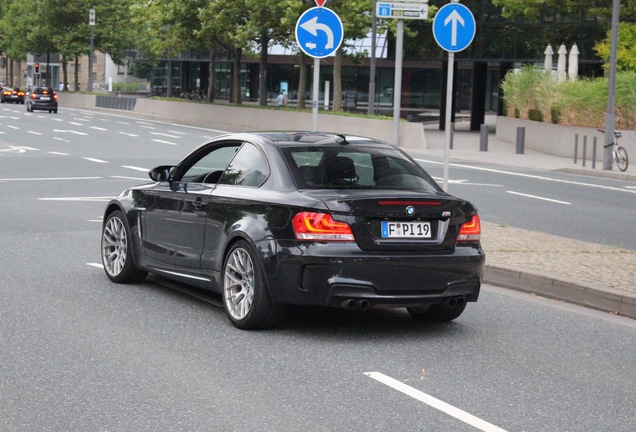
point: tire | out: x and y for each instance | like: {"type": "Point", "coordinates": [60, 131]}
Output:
{"type": "Point", "coordinates": [621, 159]}
{"type": "Point", "coordinates": [437, 312]}
{"type": "Point", "coordinates": [245, 297]}
{"type": "Point", "coordinates": [117, 251]}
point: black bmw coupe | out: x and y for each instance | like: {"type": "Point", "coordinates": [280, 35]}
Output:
{"type": "Point", "coordinates": [274, 219]}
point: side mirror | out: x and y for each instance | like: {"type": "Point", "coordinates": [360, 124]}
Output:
{"type": "Point", "coordinates": [161, 173]}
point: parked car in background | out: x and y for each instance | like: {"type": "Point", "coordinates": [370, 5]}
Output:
{"type": "Point", "coordinates": [299, 218]}
{"type": "Point", "coordinates": [42, 98]}
{"type": "Point", "coordinates": [14, 95]}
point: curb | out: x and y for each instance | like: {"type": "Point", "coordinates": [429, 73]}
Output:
{"type": "Point", "coordinates": [603, 299]}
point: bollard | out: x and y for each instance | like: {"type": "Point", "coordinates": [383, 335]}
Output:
{"type": "Point", "coordinates": [452, 134]}
{"type": "Point", "coordinates": [576, 147]}
{"type": "Point", "coordinates": [483, 138]}
{"type": "Point", "coordinates": [594, 154]}
{"type": "Point", "coordinates": [521, 137]}
{"type": "Point", "coordinates": [584, 150]}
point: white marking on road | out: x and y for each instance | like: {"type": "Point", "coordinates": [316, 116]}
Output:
{"type": "Point", "coordinates": [537, 177]}
{"type": "Point", "coordinates": [146, 127]}
{"type": "Point", "coordinates": [70, 131]}
{"type": "Point", "coordinates": [164, 142]}
{"type": "Point", "coordinates": [124, 123]}
{"type": "Point", "coordinates": [91, 199]}
{"type": "Point", "coordinates": [94, 160]}
{"type": "Point", "coordinates": [98, 265]}
{"type": "Point", "coordinates": [177, 132]}
{"type": "Point", "coordinates": [435, 403]}
{"type": "Point", "coordinates": [98, 128]}
{"type": "Point", "coordinates": [34, 132]}
{"type": "Point", "coordinates": [135, 168]}
{"type": "Point", "coordinates": [144, 123]}
{"type": "Point", "coordinates": [60, 139]}
{"type": "Point", "coordinates": [164, 134]}
{"type": "Point", "coordinates": [539, 198]}
{"type": "Point", "coordinates": [17, 149]}
{"type": "Point", "coordinates": [49, 178]}
{"type": "Point", "coordinates": [128, 134]}
{"type": "Point", "coordinates": [13, 127]}
{"type": "Point", "coordinates": [76, 124]}
{"type": "Point", "coordinates": [59, 153]}
{"type": "Point", "coordinates": [129, 178]}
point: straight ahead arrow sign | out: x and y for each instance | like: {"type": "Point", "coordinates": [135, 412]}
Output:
{"type": "Point", "coordinates": [454, 18]}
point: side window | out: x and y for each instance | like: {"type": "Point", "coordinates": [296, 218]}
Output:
{"type": "Point", "coordinates": [209, 167]}
{"type": "Point", "coordinates": [248, 168]}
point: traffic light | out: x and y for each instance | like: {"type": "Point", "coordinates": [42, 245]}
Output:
{"type": "Point", "coordinates": [37, 68]}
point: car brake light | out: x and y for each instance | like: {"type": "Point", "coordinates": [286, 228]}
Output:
{"type": "Point", "coordinates": [470, 231]}
{"type": "Point", "coordinates": [33, 96]}
{"type": "Point", "coordinates": [321, 227]}
{"type": "Point", "coordinates": [55, 96]}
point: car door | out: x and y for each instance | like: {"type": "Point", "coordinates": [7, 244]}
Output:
{"type": "Point", "coordinates": [176, 211]}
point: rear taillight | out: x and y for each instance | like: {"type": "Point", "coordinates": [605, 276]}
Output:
{"type": "Point", "coordinates": [321, 227]}
{"type": "Point", "coordinates": [470, 231]}
{"type": "Point", "coordinates": [55, 96]}
{"type": "Point", "coordinates": [33, 96]}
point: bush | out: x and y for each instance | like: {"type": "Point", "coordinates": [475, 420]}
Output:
{"type": "Point", "coordinates": [534, 94]}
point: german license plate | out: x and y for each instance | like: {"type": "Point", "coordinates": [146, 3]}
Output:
{"type": "Point", "coordinates": [406, 230]}
{"type": "Point", "coordinates": [45, 98]}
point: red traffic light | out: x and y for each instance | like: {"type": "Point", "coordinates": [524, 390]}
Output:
{"type": "Point", "coordinates": [37, 68]}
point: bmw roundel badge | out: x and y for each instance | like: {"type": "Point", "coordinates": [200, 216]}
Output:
{"type": "Point", "coordinates": [410, 210]}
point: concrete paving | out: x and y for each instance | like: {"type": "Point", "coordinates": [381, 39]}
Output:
{"type": "Point", "coordinates": [592, 275]}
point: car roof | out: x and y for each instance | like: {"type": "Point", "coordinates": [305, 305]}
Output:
{"type": "Point", "coordinates": [315, 138]}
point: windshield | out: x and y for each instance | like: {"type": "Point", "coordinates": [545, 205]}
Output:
{"type": "Point", "coordinates": [356, 167]}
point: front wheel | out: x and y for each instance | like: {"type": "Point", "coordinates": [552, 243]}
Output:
{"type": "Point", "coordinates": [117, 251]}
{"type": "Point", "coordinates": [245, 297]}
{"type": "Point", "coordinates": [621, 159]}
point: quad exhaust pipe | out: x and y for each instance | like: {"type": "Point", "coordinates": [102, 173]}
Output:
{"type": "Point", "coordinates": [353, 304]}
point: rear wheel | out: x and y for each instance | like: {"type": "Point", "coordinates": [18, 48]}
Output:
{"type": "Point", "coordinates": [117, 251]}
{"type": "Point", "coordinates": [245, 297]}
{"type": "Point", "coordinates": [621, 159]}
{"type": "Point", "coordinates": [438, 312]}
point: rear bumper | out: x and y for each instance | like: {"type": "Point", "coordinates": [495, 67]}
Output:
{"type": "Point", "coordinates": [337, 274]}
{"type": "Point", "coordinates": [43, 105]}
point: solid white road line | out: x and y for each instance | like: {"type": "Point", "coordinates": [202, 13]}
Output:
{"type": "Point", "coordinates": [435, 403]}
{"type": "Point", "coordinates": [532, 176]}
{"type": "Point", "coordinates": [50, 178]}
{"type": "Point", "coordinates": [539, 198]}
{"type": "Point", "coordinates": [90, 199]}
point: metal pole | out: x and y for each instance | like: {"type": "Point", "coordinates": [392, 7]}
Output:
{"type": "Point", "coordinates": [374, 30]}
{"type": "Point", "coordinates": [610, 116]}
{"type": "Point", "coordinates": [315, 96]}
{"type": "Point", "coordinates": [449, 108]}
{"type": "Point", "coordinates": [397, 84]}
{"type": "Point", "coordinates": [90, 63]}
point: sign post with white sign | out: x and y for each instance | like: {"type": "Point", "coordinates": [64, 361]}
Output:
{"type": "Point", "coordinates": [453, 29]}
{"type": "Point", "coordinates": [400, 10]}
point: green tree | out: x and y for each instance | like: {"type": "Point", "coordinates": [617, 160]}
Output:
{"type": "Point", "coordinates": [626, 49]}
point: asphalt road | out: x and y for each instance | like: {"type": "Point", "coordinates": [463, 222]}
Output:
{"type": "Point", "coordinates": [79, 353]}
{"type": "Point", "coordinates": [593, 209]}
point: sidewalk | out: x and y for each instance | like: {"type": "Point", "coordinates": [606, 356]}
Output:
{"type": "Point", "coordinates": [588, 274]}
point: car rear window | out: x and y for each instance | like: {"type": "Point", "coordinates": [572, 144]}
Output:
{"type": "Point", "coordinates": [355, 166]}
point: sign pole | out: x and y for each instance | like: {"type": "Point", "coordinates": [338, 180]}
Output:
{"type": "Point", "coordinates": [449, 112]}
{"type": "Point", "coordinates": [397, 85]}
{"type": "Point", "coordinates": [314, 102]}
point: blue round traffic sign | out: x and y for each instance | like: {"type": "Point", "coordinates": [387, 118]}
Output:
{"type": "Point", "coordinates": [454, 27]}
{"type": "Point", "coordinates": [319, 32]}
